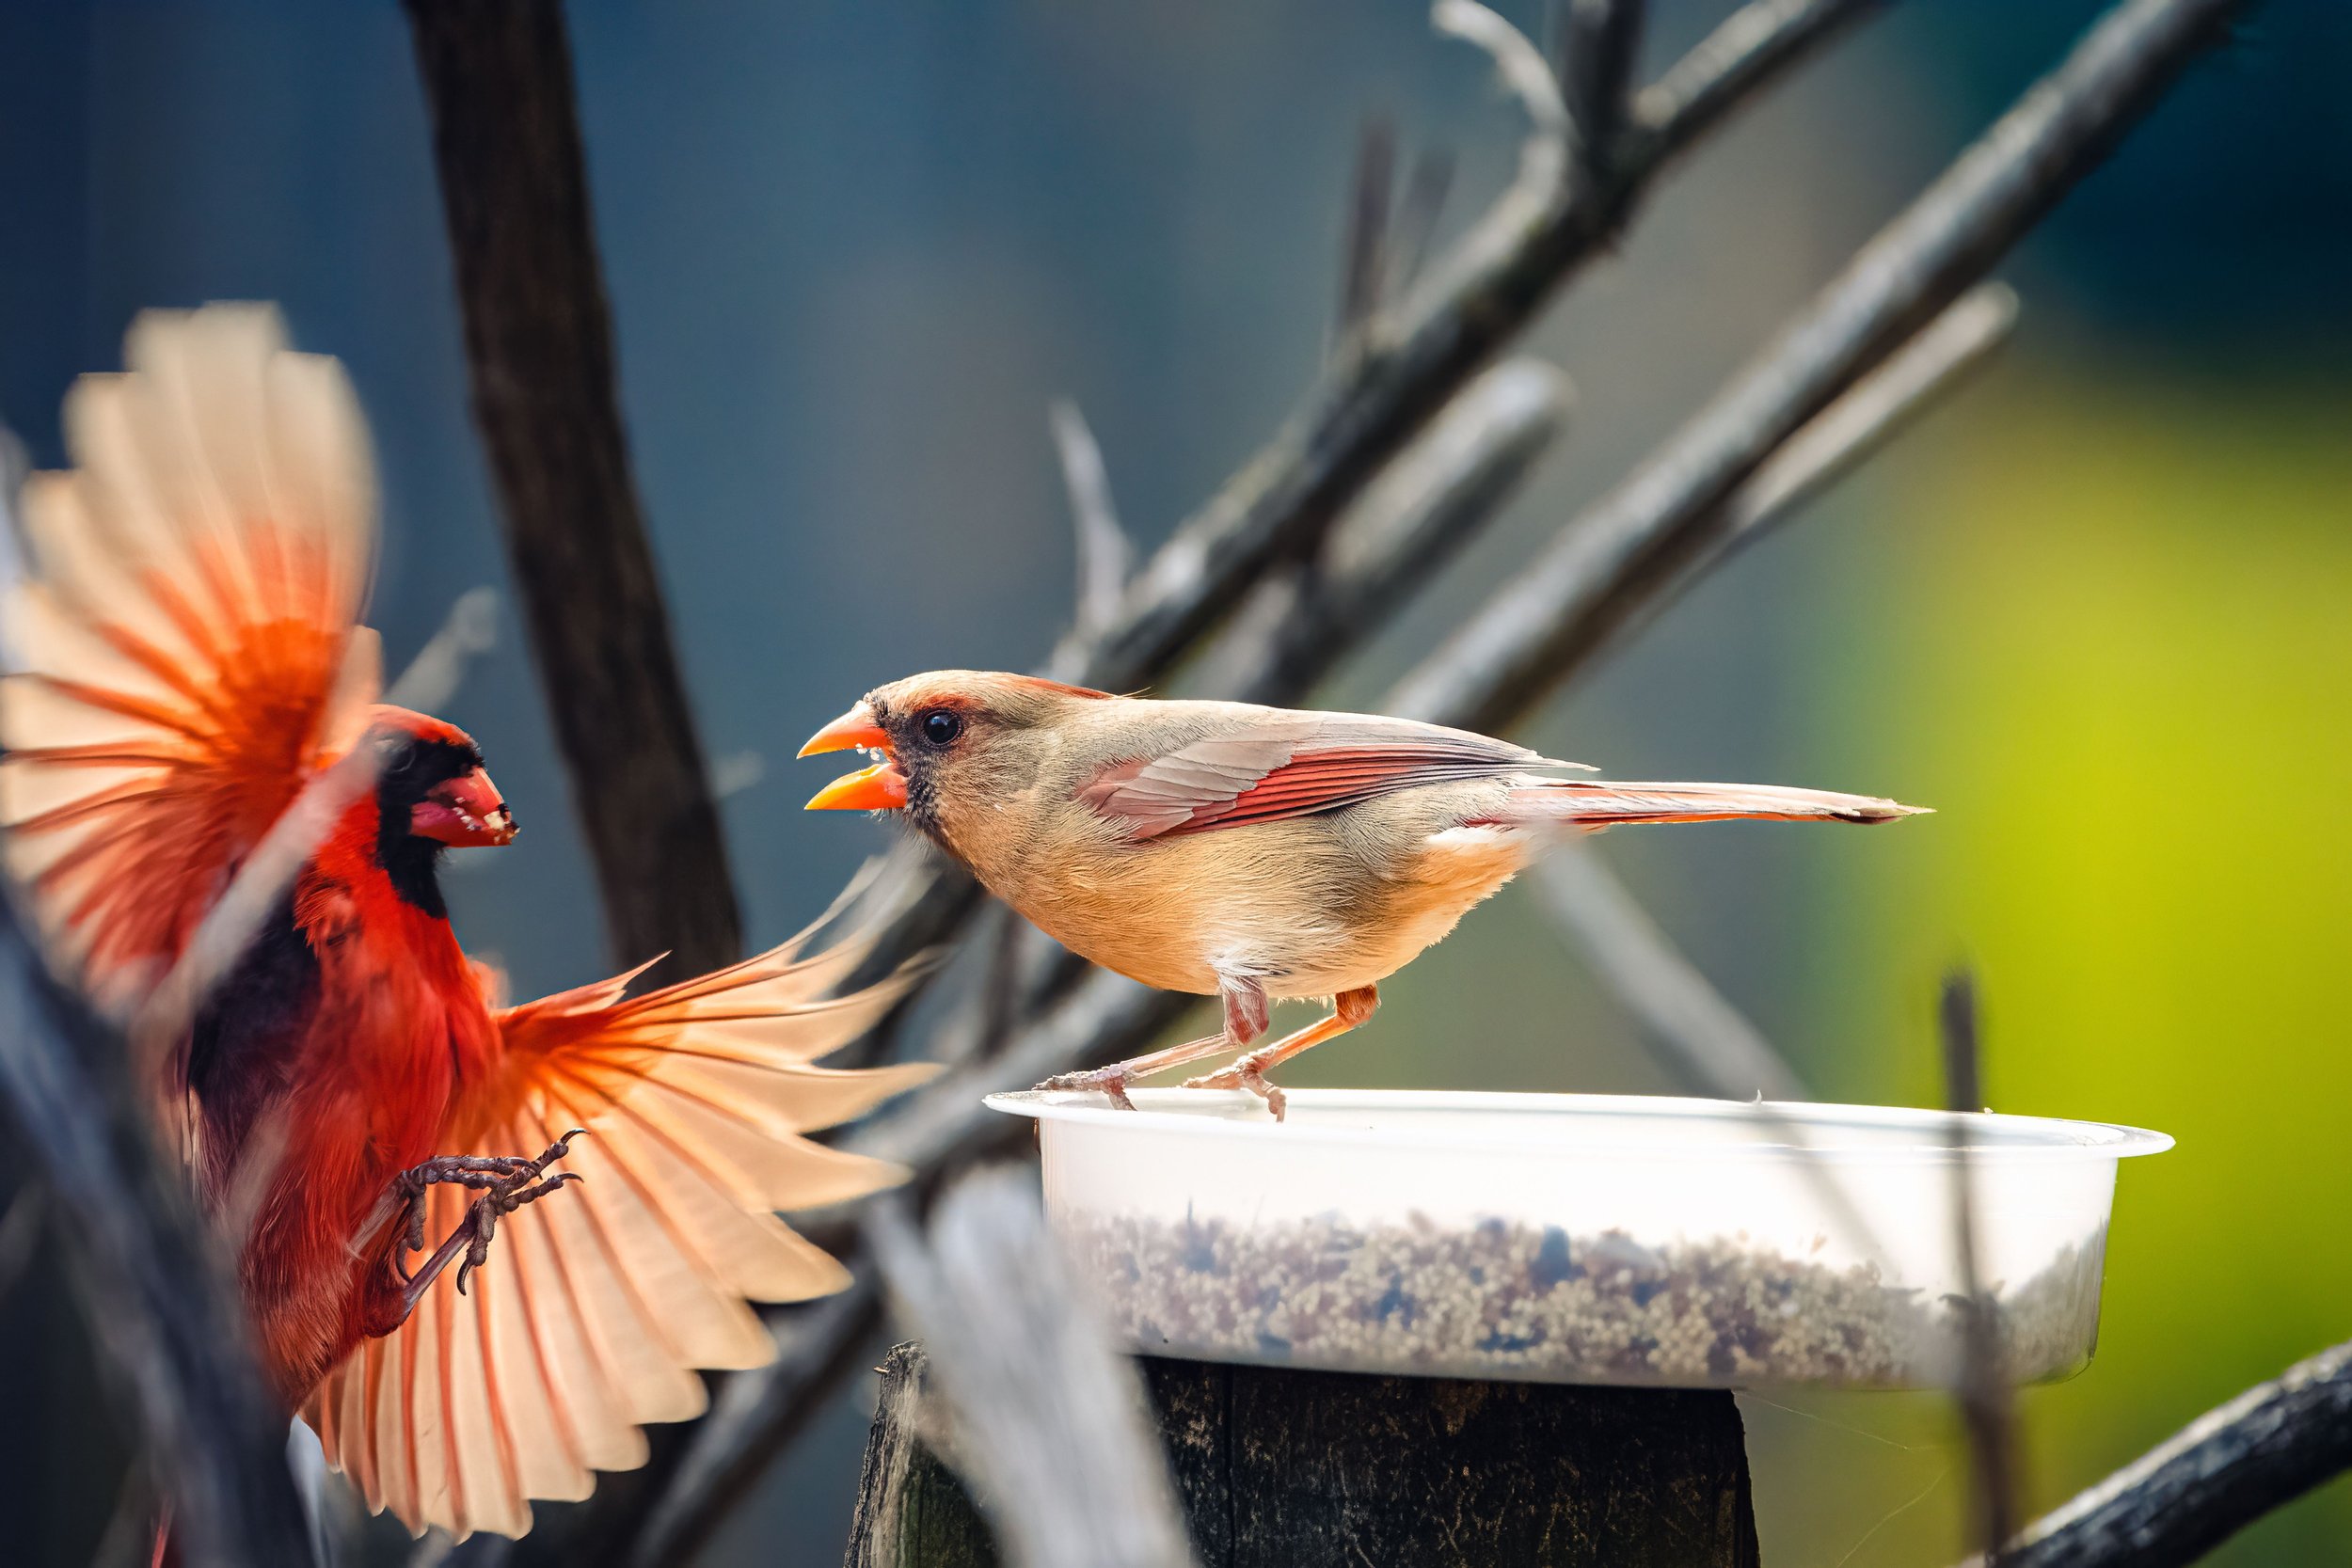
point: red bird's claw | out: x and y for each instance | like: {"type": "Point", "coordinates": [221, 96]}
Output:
{"type": "Point", "coordinates": [1110, 1081]}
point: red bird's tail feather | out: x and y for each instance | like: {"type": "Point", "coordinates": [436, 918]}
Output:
{"type": "Point", "coordinates": [1593, 804]}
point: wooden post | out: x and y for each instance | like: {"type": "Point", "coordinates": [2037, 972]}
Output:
{"type": "Point", "coordinates": [1298, 1469]}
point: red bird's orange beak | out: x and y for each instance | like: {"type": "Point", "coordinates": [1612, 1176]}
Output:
{"type": "Point", "coordinates": [466, 812]}
{"type": "Point", "coordinates": [881, 787]}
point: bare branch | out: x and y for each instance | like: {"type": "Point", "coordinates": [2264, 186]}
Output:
{"type": "Point", "coordinates": [1363, 250]}
{"type": "Point", "coordinates": [1711, 1045]}
{"type": "Point", "coordinates": [1538, 195]}
{"type": "Point", "coordinates": [1751, 46]}
{"type": "Point", "coordinates": [1981, 1386]}
{"type": "Point", "coordinates": [1671, 509]}
{"type": "Point", "coordinates": [466, 632]}
{"type": "Point", "coordinates": [1875, 408]}
{"type": "Point", "coordinates": [540, 361]}
{"type": "Point", "coordinates": [2210, 1480]}
{"type": "Point", "coordinates": [158, 1298]}
{"type": "Point", "coordinates": [1416, 215]}
{"type": "Point", "coordinates": [1104, 556]}
{"type": "Point", "coordinates": [1049, 1418]}
{"type": "Point", "coordinates": [1434, 498]}
{"type": "Point", "coordinates": [752, 1415]}
{"type": "Point", "coordinates": [1598, 42]}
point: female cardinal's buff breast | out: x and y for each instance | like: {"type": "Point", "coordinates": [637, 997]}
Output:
{"type": "Point", "coordinates": [192, 665]}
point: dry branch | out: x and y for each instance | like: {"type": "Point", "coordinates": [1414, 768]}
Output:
{"type": "Point", "coordinates": [1980, 1386]}
{"type": "Point", "coordinates": [1049, 1420]}
{"type": "Point", "coordinates": [154, 1290]}
{"type": "Point", "coordinates": [1105, 554]}
{"type": "Point", "coordinates": [2212, 1479]}
{"type": "Point", "coordinates": [1598, 42]}
{"type": "Point", "coordinates": [498, 80]}
{"type": "Point", "coordinates": [1708, 1043]}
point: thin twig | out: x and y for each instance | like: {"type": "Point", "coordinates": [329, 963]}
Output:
{"type": "Point", "coordinates": [1709, 1045]}
{"type": "Point", "coordinates": [1981, 1386]}
{"type": "Point", "coordinates": [1433, 500]}
{"type": "Point", "coordinates": [751, 1415]}
{"type": "Point", "coordinates": [1598, 42]}
{"type": "Point", "coordinates": [1104, 556]}
{"type": "Point", "coordinates": [20, 1233]}
{"type": "Point", "coordinates": [1048, 1418]}
{"type": "Point", "coordinates": [1416, 215]}
{"type": "Point", "coordinates": [2220, 1473]}
{"type": "Point", "coordinates": [1363, 249]}
{"type": "Point", "coordinates": [158, 1298]}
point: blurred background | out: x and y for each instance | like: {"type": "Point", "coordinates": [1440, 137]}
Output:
{"type": "Point", "coordinates": [2097, 609]}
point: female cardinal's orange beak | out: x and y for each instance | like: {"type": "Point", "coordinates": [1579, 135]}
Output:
{"type": "Point", "coordinates": [466, 812]}
{"type": "Point", "coordinates": [881, 787]}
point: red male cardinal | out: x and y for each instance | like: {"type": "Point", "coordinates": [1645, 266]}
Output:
{"type": "Point", "coordinates": [194, 661]}
{"type": "Point", "coordinates": [1247, 852]}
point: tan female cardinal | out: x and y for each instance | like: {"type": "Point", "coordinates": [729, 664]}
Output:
{"type": "Point", "coordinates": [350, 1085]}
{"type": "Point", "coordinates": [1250, 853]}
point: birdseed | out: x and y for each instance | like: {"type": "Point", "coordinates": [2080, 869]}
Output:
{"type": "Point", "coordinates": [1504, 1299]}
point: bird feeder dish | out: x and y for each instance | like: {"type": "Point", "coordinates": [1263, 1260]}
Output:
{"type": "Point", "coordinates": [1581, 1237]}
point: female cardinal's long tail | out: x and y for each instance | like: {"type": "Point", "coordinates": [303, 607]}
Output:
{"type": "Point", "coordinates": [1593, 804]}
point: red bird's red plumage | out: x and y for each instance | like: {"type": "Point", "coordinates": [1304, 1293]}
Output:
{"type": "Point", "coordinates": [190, 661]}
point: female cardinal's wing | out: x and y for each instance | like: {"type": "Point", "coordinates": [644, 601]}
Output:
{"type": "Point", "coordinates": [1274, 764]}
{"type": "Point", "coordinates": [600, 1302]}
{"type": "Point", "coordinates": [187, 629]}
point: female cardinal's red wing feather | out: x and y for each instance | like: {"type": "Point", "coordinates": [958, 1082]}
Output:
{"type": "Point", "coordinates": [188, 628]}
{"type": "Point", "coordinates": [1294, 764]}
{"type": "Point", "coordinates": [596, 1307]}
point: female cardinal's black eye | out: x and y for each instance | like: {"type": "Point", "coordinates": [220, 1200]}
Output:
{"type": "Point", "coordinates": [941, 728]}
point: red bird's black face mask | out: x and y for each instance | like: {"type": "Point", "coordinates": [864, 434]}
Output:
{"type": "Point", "coordinates": [437, 788]}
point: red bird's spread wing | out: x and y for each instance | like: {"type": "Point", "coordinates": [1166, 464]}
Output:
{"type": "Point", "coordinates": [1294, 764]}
{"type": "Point", "coordinates": [186, 647]}
{"type": "Point", "coordinates": [598, 1302]}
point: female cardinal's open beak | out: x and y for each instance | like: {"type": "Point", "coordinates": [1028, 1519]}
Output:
{"type": "Point", "coordinates": [465, 812]}
{"type": "Point", "coordinates": [881, 787]}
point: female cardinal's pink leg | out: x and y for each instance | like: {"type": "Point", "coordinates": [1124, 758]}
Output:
{"type": "Point", "coordinates": [1244, 1020]}
{"type": "Point", "coordinates": [1349, 1009]}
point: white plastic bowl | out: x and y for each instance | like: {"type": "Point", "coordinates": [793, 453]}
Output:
{"type": "Point", "coordinates": [1578, 1238]}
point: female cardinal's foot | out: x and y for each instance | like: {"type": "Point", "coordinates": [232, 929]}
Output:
{"type": "Point", "coordinates": [1112, 1081]}
{"type": "Point", "coordinates": [507, 1181]}
{"type": "Point", "coordinates": [1247, 1073]}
